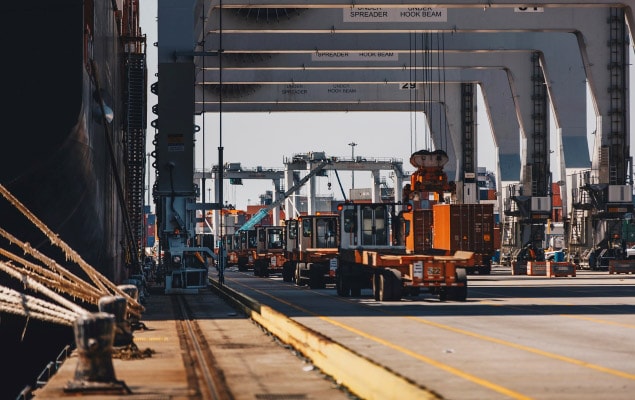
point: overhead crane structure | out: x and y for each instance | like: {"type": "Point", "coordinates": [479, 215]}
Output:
{"type": "Point", "coordinates": [297, 174]}
{"type": "Point", "coordinates": [339, 36]}
{"type": "Point", "coordinates": [456, 70]}
{"type": "Point", "coordinates": [207, 41]}
{"type": "Point", "coordinates": [305, 161]}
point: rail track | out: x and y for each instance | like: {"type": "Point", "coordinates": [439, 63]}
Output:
{"type": "Point", "coordinates": [203, 373]}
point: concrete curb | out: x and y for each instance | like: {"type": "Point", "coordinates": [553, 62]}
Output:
{"type": "Point", "coordinates": [362, 376]}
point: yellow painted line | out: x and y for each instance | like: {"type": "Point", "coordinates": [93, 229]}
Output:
{"type": "Point", "coordinates": [152, 339]}
{"type": "Point", "coordinates": [527, 349]}
{"type": "Point", "coordinates": [434, 363]}
{"type": "Point", "coordinates": [420, 357]}
{"type": "Point", "coordinates": [599, 321]}
{"type": "Point", "coordinates": [572, 316]}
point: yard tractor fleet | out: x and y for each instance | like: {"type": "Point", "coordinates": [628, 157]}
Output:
{"type": "Point", "coordinates": [395, 249]}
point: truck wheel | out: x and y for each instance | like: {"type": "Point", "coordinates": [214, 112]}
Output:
{"type": "Point", "coordinates": [376, 286]}
{"type": "Point", "coordinates": [485, 269]}
{"type": "Point", "coordinates": [356, 290]}
{"type": "Point", "coordinates": [459, 293]}
{"type": "Point", "coordinates": [342, 286]}
{"type": "Point", "coordinates": [397, 285]}
{"type": "Point", "coordinates": [316, 278]}
{"type": "Point", "coordinates": [385, 286]}
{"type": "Point", "coordinates": [390, 285]}
{"type": "Point", "coordinates": [296, 276]}
{"type": "Point", "coordinates": [287, 272]}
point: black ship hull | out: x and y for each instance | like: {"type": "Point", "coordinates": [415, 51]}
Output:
{"type": "Point", "coordinates": [56, 158]}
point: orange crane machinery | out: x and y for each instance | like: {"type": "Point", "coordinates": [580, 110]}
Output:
{"type": "Point", "coordinates": [442, 228]}
{"type": "Point", "coordinates": [429, 177]}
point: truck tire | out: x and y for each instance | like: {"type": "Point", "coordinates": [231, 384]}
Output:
{"type": "Point", "coordinates": [393, 280]}
{"type": "Point", "coordinates": [389, 287]}
{"type": "Point", "coordinates": [242, 263]}
{"type": "Point", "coordinates": [298, 275]}
{"type": "Point", "coordinates": [385, 288]}
{"type": "Point", "coordinates": [485, 270]}
{"type": "Point", "coordinates": [376, 286]}
{"type": "Point", "coordinates": [356, 289]}
{"type": "Point", "coordinates": [459, 293]}
{"type": "Point", "coordinates": [288, 271]}
{"type": "Point", "coordinates": [257, 268]}
{"type": "Point", "coordinates": [261, 268]}
{"type": "Point", "coordinates": [316, 277]}
{"type": "Point", "coordinates": [396, 283]}
{"type": "Point", "coordinates": [342, 285]}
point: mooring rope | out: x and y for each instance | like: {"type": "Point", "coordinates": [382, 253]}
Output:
{"type": "Point", "coordinates": [55, 281]}
{"type": "Point", "coordinates": [68, 282]}
{"type": "Point", "coordinates": [57, 277]}
{"type": "Point", "coordinates": [38, 287]}
{"type": "Point", "coordinates": [14, 302]}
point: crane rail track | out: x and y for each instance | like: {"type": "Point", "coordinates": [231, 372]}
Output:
{"type": "Point", "coordinates": [204, 376]}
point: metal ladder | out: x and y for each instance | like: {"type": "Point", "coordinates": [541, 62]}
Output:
{"type": "Point", "coordinates": [135, 142]}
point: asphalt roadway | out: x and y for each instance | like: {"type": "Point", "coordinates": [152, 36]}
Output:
{"type": "Point", "coordinates": [517, 336]}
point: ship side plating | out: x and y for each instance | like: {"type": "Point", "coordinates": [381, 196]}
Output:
{"type": "Point", "coordinates": [69, 150]}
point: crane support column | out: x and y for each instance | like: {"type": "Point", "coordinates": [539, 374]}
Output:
{"type": "Point", "coordinates": [175, 190]}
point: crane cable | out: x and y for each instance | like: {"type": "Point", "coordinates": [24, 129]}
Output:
{"type": "Point", "coordinates": [444, 129]}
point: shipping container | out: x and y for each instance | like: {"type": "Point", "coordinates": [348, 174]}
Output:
{"type": "Point", "coordinates": [420, 236]}
{"type": "Point", "coordinates": [497, 237]}
{"type": "Point", "coordinates": [467, 227]}
{"type": "Point", "coordinates": [360, 194]}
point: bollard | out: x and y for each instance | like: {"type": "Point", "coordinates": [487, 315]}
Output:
{"type": "Point", "coordinates": [94, 335]}
{"type": "Point", "coordinates": [118, 306]}
{"type": "Point", "coordinates": [140, 288]}
{"type": "Point", "coordinates": [132, 291]}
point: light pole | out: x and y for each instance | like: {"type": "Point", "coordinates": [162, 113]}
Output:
{"type": "Point", "coordinates": [352, 144]}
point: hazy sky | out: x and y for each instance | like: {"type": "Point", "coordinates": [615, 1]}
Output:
{"type": "Point", "coordinates": [266, 139]}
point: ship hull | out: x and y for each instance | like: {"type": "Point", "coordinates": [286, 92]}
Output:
{"type": "Point", "coordinates": [55, 157]}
